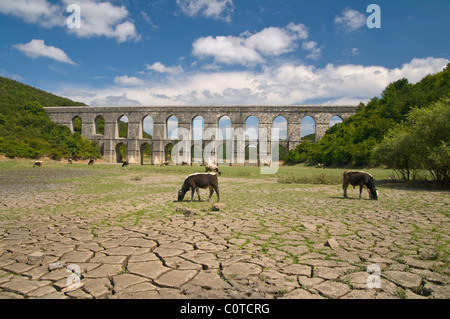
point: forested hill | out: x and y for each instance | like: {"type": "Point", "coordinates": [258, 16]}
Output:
{"type": "Point", "coordinates": [352, 142]}
{"type": "Point", "coordinates": [26, 130]}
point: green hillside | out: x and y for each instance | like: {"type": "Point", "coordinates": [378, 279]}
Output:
{"type": "Point", "coordinates": [26, 130]}
{"type": "Point", "coordinates": [352, 142]}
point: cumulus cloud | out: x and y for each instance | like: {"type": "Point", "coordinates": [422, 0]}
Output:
{"type": "Point", "coordinates": [97, 18]}
{"type": "Point", "coordinates": [161, 68]}
{"type": "Point", "coordinates": [40, 12]}
{"type": "Point", "coordinates": [282, 84]}
{"type": "Point", "coordinates": [104, 19]}
{"type": "Point", "coordinates": [250, 48]}
{"type": "Point", "coordinates": [215, 9]}
{"type": "Point", "coordinates": [114, 100]}
{"type": "Point", "coordinates": [129, 81]}
{"type": "Point", "coordinates": [350, 20]}
{"type": "Point", "coordinates": [38, 49]}
{"type": "Point", "coordinates": [314, 51]}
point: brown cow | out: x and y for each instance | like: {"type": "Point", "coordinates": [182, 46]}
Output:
{"type": "Point", "coordinates": [361, 179]}
{"type": "Point", "coordinates": [200, 180]}
{"type": "Point", "coordinates": [38, 163]}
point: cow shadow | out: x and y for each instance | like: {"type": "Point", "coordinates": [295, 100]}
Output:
{"type": "Point", "coordinates": [348, 198]}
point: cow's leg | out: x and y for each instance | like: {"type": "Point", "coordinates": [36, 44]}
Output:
{"type": "Point", "coordinates": [211, 192]}
{"type": "Point", "coordinates": [216, 188]}
{"type": "Point", "coordinates": [344, 187]}
{"type": "Point", "coordinates": [360, 190]}
{"type": "Point", "coordinates": [192, 194]}
{"type": "Point", "coordinates": [198, 193]}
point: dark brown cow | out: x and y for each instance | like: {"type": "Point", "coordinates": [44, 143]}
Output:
{"type": "Point", "coordinates": [38, 163]}
{"type": "Point", "coordinates": [361, 179]}
{"type": "Point", "coordinates": [91, 162]}
{"type": "Point", "coordinates": [126, 163]}
{"type": "Point", "coordinates": [200, 180]}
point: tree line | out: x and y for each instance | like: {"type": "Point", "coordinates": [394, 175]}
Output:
{"type": "Point", "coordinates": [26, 130]}
{"type": "Point", "coordinates": [406, 129]}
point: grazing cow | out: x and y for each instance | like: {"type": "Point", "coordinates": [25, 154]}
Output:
{"type": "Point", "coordinates": [38, 163]}
{"type": "Point", "coordinates": [166, 163]}
{"type": "Point", "coordinates": [267, 164]}
{"type": "Point", "coordinates": [126, 163]}
{"type": "Point", "coordinates": [199, 180]}
{"type": "Point", "coordinates": [184, 164]}
{"type": "Point", "coordinates": [213, 168]}
{"type": "Point", "coordinates": [361, 179]}
{"type": "Point", "coordinates": [320, 165]}
{"type": "Point", "coordinates": [69, 161]}
{"type": "Point", "coordinates": [91, 162]}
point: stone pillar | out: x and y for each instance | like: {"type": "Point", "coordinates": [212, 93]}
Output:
{"type": "Point", "coordinates": [183, 143]}
{"type": "Point", "coordinates": [109, 147]}
{"type": "Point", "coordinates": [264, 143]}
{"type": "Point", "coordinates": [322, 124]}
{"type": "Point", "coordinates": [87, 126]}
{"type": "Point", "coordinates": [109, 151]}
{"type": "Point", "coordinates": [134, 134]}
{"type": "Point", "coordinates": [238, 143]}
{"type": "Point", "coordinates": [210, 135]}
{"type": "Point", "coordinates": [293, 134]}
{"type": "Point", "coordinates": [159, 136]}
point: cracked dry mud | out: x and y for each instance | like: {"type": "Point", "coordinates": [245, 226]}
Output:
{"type": "Point", "coordinates": [270, 240]}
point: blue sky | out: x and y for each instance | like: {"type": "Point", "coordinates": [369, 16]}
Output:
{"type": "Point", "coordinates": [221, 52]}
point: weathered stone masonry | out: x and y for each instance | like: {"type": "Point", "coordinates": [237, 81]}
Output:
{"type": "Point", "coordinates": [185, 115]}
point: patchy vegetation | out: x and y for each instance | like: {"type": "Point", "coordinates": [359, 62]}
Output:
{"type": "Point", "coordinates": [26, 130]}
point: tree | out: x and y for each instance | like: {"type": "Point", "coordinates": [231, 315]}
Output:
{"type": "Point", "coordinates": [422, 143]}
{"type": "Point", "coordinates": [430, 129]}
{"type": "Point", "coordinates": [397, 151]}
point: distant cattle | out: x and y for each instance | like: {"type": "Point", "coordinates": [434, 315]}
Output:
{"type": "Point", "coordinates": [91, 162]}
{"type": "Point", "coordinates": [166, 163]}
{"type": "Point", "coordinates": [320, 165]}
{"type": "Point", "coordinates": [126, 163]}
{"type": "Point", "coordinates": [69, 161]}
{"type": "Point", "coordinates": [38, 163]}
{"type": "Point", "coordinates": [184, 163]}
{"type": "Point", "coordinates": [213, 168]}
{"type": "Point", "coordinates": [200, 180]}
{"type": "Point", "coordinates": [361, 179]}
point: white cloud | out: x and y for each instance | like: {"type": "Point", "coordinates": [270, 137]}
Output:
{"type": "Point", "coordinates": [114, 100]}
{"type": "Point", "coordinates": [249, 48]}
{"type": "Point", "coordinates": [104, 19]}
{"type": "Point", "coordinates": [314, 51]}
{"type": "Point", "coordinates": [38, 49]}
{"type": "Point", "coordinates": [97, 18]}
{"type": "Point", "coordinates": [276, 85]}
{"type": "Point", "coordinates": [34, 11]}
{"type": "Point", "coordinates": [129, 81]}
{"type": "Point", "coordinates": [300, 30]}
{"type": "Point", "coordinates": [161, 68]}
{"type": "Point", "coordinates": [351, 20]}
{"type": "Point", "coordinates": [215, 9]}
{"type": "Point", "coordinates": [226, 49]}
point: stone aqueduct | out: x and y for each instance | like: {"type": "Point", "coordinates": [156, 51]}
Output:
{"type": "Point", "coordinates": [211, 115]}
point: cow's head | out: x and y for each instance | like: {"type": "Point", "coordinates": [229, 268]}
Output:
{"type": "Point", "coordinates": [373, 194]}
{"type": "Point", "coordinates": [180, 195]}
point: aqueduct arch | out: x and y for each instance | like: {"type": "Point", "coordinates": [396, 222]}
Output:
{"type": "Point", "coordinates": [211, 115]}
